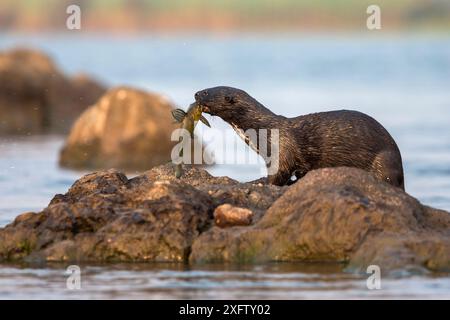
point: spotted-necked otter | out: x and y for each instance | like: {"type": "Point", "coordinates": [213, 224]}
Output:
{"type": "Point", "coordinates": [313, 141]}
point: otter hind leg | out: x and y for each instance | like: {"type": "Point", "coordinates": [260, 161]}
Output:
{"type": "Point", "coordinates": [284, 178]}
{"type": "Point", "coordinates": [280, 179]}
{"type": "Point", "coordinates": [387, 166]}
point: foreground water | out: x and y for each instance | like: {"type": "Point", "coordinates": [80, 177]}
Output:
{"type": "Point", "coordinates": [172, 281]}
{"type": "Point", "coordinates": [403, 82]}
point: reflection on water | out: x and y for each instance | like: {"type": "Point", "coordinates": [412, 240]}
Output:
{"type": "Point", "coordinates": [173, 281]}
{"type": "Point", "coordinates": [402, 82]}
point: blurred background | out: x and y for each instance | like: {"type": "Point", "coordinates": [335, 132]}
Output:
{"type": "Point", "coordinates": [223, 15]}
{"type": "Point", "coordinates": [294, 56]}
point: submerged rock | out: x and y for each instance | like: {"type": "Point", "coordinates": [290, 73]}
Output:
{"type": "Point", "coordinates": [36, 97]}
{"type": "Point", "coordinates": [128, 129]}
{"type": "Point", "coordinates": [331, 215]}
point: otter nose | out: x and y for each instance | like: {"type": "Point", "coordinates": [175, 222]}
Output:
{"type": "Point", "coordinates": [201, 94]}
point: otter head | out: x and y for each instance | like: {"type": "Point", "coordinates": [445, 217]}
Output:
{"type": "Point", "coordinates": [225, 102]}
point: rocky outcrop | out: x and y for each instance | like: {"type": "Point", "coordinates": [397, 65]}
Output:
{"type": "Point", "coordinates": [106, 217]}
{"type": "Point", "coordinates": [36, 97]}
{"type": "Point", "coordinates": [331, 215]}
{"type": "Point", "coordinates": [340, 215]}
{"type": "Point", "coordinates": [127, 129]}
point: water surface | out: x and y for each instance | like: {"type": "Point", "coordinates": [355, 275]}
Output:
{"type": "Point", "coordinates": [174, 281]}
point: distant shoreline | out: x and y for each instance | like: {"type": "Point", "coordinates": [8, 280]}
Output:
{"type": "Point", "coordinates": [224, 16]}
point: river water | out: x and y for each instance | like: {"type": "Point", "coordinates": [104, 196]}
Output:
{"type": "Point", "coordinates": [402, 81]}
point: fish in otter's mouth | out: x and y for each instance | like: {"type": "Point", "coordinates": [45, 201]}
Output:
{"type": "Point", "coordinates": [193, 114]}
{"type": "Point", "coordinates": [188, 121]}
{"type": "Point", "coordinates": [205, 109]}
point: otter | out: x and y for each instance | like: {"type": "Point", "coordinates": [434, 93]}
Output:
{"type": "Point", "coordinates": [308, 142]}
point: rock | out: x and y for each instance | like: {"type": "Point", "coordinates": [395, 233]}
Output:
{"type": "Point", "coordinates": [104, 216]}
{"type": "Point", "coordinates": [193, 175]}
{"type": "Point", "coordinates": [127, 129]}
{"type": "Point", "coordinates": [227, 215]}
{"type": "Point", "coordinates": [107, 217]}
{"type": "Point", "coordinates": [340, 215]}
{"type": "Point", "coordinates": [36, 97]}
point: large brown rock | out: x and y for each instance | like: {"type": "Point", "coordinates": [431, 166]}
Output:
{"type": "Point", "coordinates": [127, 129]}
{"type": "Point", "coordinates": [36, 97]}
{"type": "Point", "coordinates": [340, 215]}
{"type": "Point", "coordinates": [107, 217]}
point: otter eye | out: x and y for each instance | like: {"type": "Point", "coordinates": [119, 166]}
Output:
{"type": "Point", "coordinates": [229, 99]}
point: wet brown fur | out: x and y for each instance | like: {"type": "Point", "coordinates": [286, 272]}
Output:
{"type": "Point", "coordinates": [308, 142]}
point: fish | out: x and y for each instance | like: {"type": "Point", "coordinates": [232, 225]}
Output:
{"type": "Point", "coordinates": [188, 122]}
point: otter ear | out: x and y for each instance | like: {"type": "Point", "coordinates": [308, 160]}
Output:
{"type": "Point", "coordinates": [229, 99]}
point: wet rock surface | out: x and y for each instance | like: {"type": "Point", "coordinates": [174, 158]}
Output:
{"type": "Point", "coordinates": [36, 97]}
{"type": "Point", "coordinates": [331, 215]}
